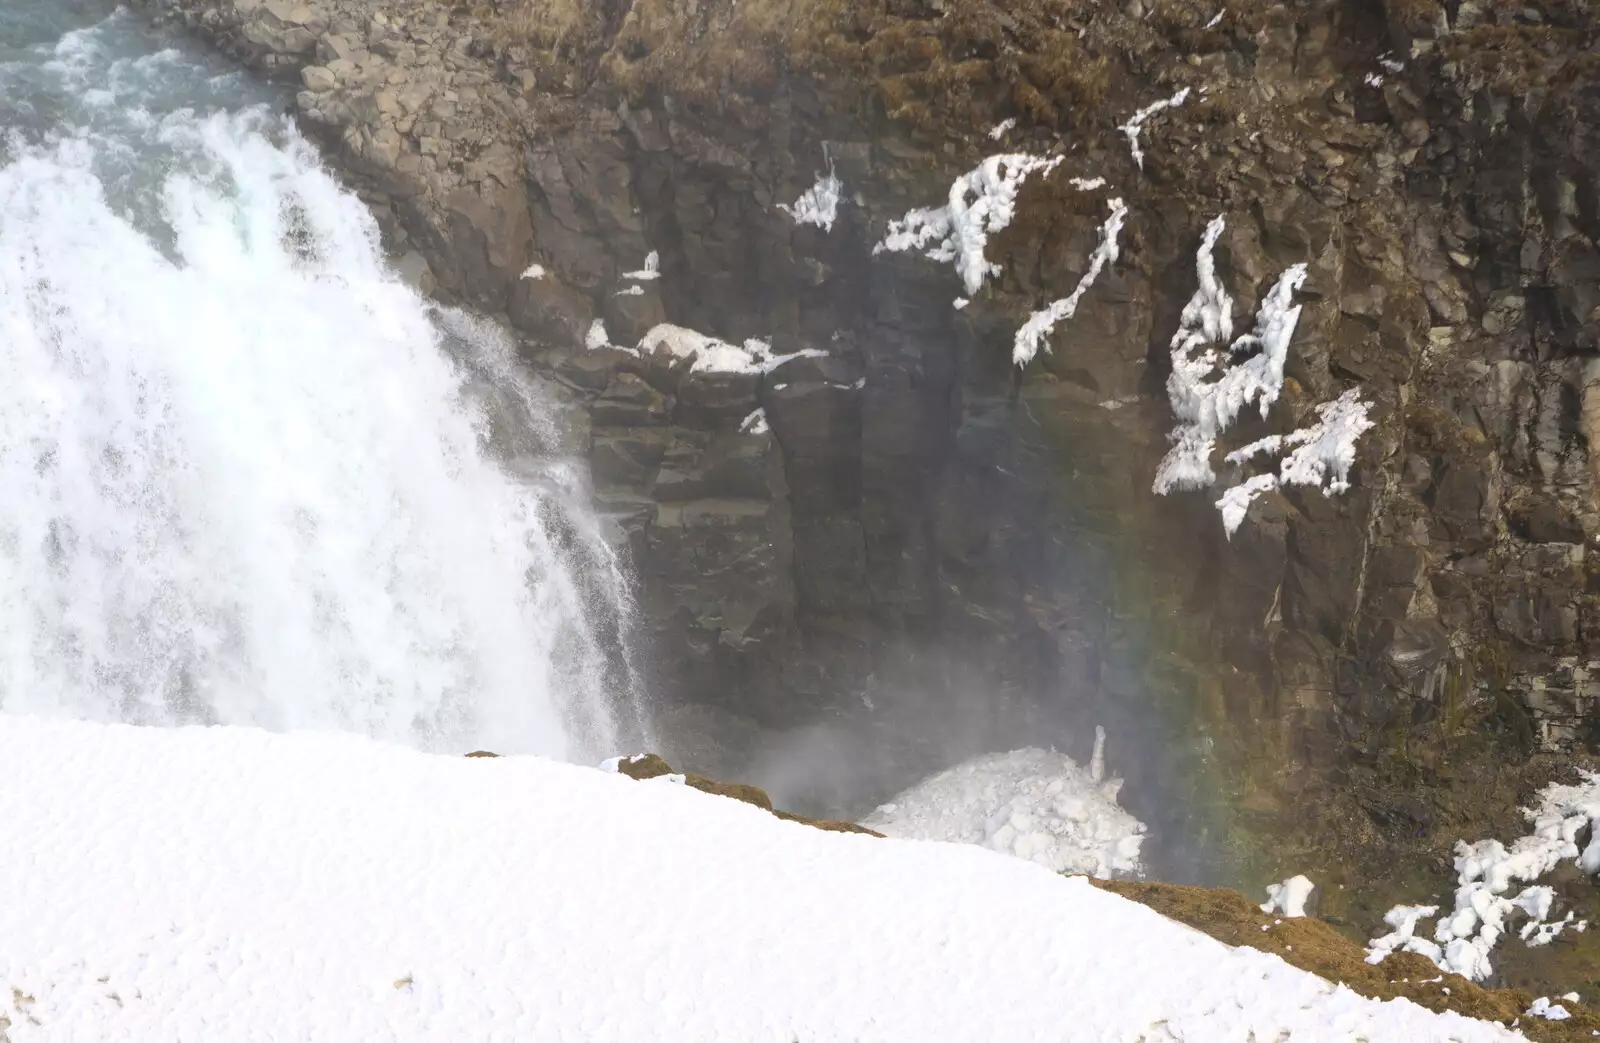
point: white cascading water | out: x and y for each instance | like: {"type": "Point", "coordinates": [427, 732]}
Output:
{"type": "Point", "coordinates": [247, 475]}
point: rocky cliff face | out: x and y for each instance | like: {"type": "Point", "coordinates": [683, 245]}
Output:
{"type": "Point", "coordinates": [1358, 677]}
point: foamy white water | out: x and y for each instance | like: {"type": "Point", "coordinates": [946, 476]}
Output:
{"type": "Point", "coordinates": [247, 476]}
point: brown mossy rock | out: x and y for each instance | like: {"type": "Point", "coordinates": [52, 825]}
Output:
{"type": "Point", "coordinates": [1314, 946]}
{"type": "Point", "coordinates": [644, 766]}
{"type": "Point", "coordinates": [944, 64]}
{"type": "Point", "coordinates": [830, 825]}
{"type": "Point", "coordinates": [650, 766]}
{"type": "Point", "coordinates": [482, 753]}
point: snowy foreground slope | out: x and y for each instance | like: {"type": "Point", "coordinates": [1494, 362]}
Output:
{"type": "Point", "coordinates": [234, 885]}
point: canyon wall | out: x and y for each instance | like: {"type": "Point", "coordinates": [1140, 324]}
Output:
{"type": "Point", "coordinates": [918, 528]}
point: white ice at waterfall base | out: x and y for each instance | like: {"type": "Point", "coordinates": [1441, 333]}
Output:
{"type": "Point", "coordinates": [1036, 804]}
{"type": "Point", "coordinates": [1464, 938]}
{"type": "Point", "coordinates": [234, 884]}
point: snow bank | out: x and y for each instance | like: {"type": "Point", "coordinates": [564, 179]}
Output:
{"type": "Point", "coordinates": [982, 201]}
{"type": "Point", "coordinates": [1036, 804]}
{"type": "Point", "coordinates": [1209, 390]}
{"type": "Point", "coordinates": [1464, 937]}
{"type": "Point", "coordinates": [1037, 329]}
{"type": "Point", "coordinates": [231, 884]}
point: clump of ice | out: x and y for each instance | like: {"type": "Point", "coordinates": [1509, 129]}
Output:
{"type": "Point", "coordinates": [535, 271]}
{"type": "Point", "coordinates": [1216, 19]}
{"type": "Point", "coordinates": [1464, 937]}
{"type": "Point", "coordinates": [999, 130]}
{"type": "Point", "coordinates": [711, 355]}
{"type": "Point", "coordinates": [1135, 125]}
{"type": "Point", "coordinates": [1209, 389]}
{"type": "Point", "coordinates": [1289, 897]}
{"type": "Point", "coordinates": [1035, 804]}
{"type": "Point", "coordinates": [820, 204]}
{"type": "Point", "coordinates": [1036, 331]}
{"type": "Point", "coordinates": [1404, 919]}
{"type": "Point", "coordinates": [707, 353]}
{"type": "Point", "coordinates": [982, 202]}
{"type": "Point", "coordinates": [1543, 1008]}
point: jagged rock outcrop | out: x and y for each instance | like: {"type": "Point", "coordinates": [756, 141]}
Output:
{"type": "Point", "coordinates": [1371, 673]}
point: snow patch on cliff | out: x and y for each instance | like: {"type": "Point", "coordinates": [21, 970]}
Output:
{"type": "Point", "coordinates": [651, 270]}
{"type": "Point", "coordinates": [1036, 331]}
{"type": "Point", "coordinates": [1322, 456]}
{"type": "Point", "coordinates": [1209, 389]}
{"type": "Point", "coordinates": [982, 202]}
{"type": "Point", "coordinates": [820, 204]}
{"type": "Point", "coordinates": [711, 355]}
{"type": "Point", "coordinates": [1135, 125]}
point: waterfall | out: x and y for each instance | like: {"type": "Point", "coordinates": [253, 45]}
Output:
{"type": "Point", "coordinates": [247, 475]}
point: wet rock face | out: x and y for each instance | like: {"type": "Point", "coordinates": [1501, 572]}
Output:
{"type": "Point", "coordinates": [913, 513]}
